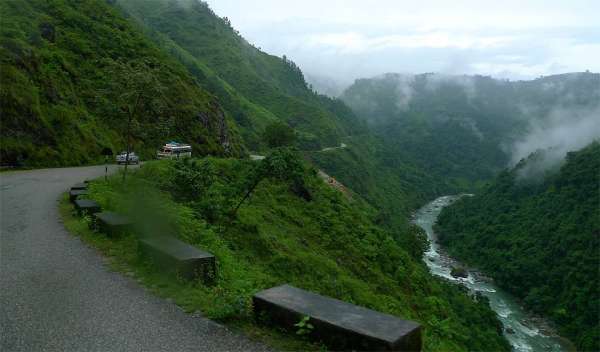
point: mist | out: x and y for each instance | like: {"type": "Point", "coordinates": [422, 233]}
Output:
{"type": "Point", "coordinates": [562, 131]}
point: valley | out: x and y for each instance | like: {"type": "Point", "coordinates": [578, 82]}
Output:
{"type": "Point", "coordinates": [344, 196]}
{"type": "Point", "coordinates": [524, 330]}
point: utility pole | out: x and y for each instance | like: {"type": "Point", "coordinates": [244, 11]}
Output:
{"type": "Point", "coordinates": [128, 142]}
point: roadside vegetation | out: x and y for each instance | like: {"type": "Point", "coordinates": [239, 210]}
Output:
{"type": "Point", "coordinates": [289, 227]}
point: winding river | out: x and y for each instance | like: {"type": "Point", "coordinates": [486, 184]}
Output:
{"type": "Point", "coordinates": [524, 331]}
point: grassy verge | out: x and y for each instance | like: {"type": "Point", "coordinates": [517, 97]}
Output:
{"type": "Point", "coordinates": [122, 256]}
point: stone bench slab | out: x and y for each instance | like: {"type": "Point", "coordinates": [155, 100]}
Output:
{"type": "Point", "coordinates": [73, 194]}
{"type": "Point", "coordinates": [79, 187]}
{"type": "Point", "coordinates": [340, 325]}
{"type": "Point", "coordinates": [187, 261]}
{"type": "Point", "coordinates": [86, 207]}
{"type": "Point", "coordinates": [112, 224]}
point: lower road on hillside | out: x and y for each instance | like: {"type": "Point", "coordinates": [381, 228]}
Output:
{"type": "Point", "coordinates": [56, 294]}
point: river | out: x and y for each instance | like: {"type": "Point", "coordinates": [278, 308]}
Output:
{"type": "Point", "coordinates": [525, 331]}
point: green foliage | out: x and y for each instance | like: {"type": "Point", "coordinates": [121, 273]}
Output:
{"type": "Point", "coordinates": [304, 327]}
{"type": "Point", "coordinates": [326, 244]}
{"type": "Point", "coordinates": [61, 83]}
{"type": "Point", "coordinates": [279, 134]}
{"type": "Point", "coordinates": [431, 135]}
{"type": "Point", "coordinates": [393, 186]}
{"type": "Point", "coordinates": [539, 239]}
{"type": "Point", "coordinates": [255, 87]}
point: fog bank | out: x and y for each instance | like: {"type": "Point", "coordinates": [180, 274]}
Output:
{"type": "Point", "coordinates": [563, 131]}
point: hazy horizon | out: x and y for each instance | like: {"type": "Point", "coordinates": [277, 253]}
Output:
{"type": "Point", "coordinates": [340, 41]}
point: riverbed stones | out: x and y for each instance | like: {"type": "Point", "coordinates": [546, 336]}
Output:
{"type": "Point", "coordinates": [340, 325]}
{"type": "Point", "coordinates": [184, 260]}
{"type": "Point", "coordinates": [459, 272]}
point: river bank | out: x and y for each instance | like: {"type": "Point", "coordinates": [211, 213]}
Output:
{"type": "Point", "coordinates": [525, 331]}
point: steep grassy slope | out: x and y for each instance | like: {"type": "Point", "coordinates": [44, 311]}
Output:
{"type": "Point", "coordinates": [256, 87]}
{"type": "Point", "coordinates": [539, 239]}
{"type": "Point", "coordinates": [293, 229]}
{"type": "Point", "coordinates": [395, 187]}
{"type": "Point", "coordinates": [65, 67]}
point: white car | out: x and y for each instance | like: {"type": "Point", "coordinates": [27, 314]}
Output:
{"type": "Point", "coordinates": [122, 158]}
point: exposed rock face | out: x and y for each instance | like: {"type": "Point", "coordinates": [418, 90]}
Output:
{"type": "Point", "coordinates": [217, 125]}
{"type": "Point", "coordinates": [223, 130]}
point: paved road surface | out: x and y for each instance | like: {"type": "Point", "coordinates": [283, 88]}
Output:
{"type": "Point", "coordinates": [57, 295]}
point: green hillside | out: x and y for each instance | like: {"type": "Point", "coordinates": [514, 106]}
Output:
{"type": "Point", "coordinates": [254, 86]}
{"type": "Point", "coordinates": [257, 89]}
{"type": "Point", "coordinates": [76, 74]}
{"type": "Point", "coordinates": [459, 129]}
{"type": "Point", "coordinates": [72, 71]}
{"type": "Point", "coordinates": [293, 229]}
{"type": "Point", "coordinates": [433, 134]}
{"type": "Point", "coordinates": [539, 239]}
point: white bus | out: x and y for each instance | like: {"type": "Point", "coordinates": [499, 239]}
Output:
{"type": "Point", "coordinates": [174, 150]}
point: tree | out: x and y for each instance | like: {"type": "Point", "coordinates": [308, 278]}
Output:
{"type": "Point", "coordinates": [138, 94]}
{"type": "Point", "coordinates": [279, 134]}
{"type": "Point", "coordinates": [283, 164]}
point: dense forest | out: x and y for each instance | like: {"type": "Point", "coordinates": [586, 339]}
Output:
{"type": "Point", "coordinates": [459, 129]}
{"type": "Point", "coordinates": [539, 239]}
{"type": "Point", "coordinates": [434, 134]}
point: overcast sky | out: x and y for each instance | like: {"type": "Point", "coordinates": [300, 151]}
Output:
{"type": "Point", "coordinates": [348, 39]}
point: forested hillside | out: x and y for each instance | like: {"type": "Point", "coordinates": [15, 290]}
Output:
{"type": "Point", "coordinates": [460, 129]}
{"type": "Point", "coordinates": [73, 73]}
{"type": "Point", "coordinates": [257, 88]}
{"type": "Point", "coordinates": [434, 134]}
{"type": "Point", "coordinates": [539, 239]}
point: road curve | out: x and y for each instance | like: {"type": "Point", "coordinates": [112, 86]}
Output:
{"type": "Point", "coordinates": [56, 294]}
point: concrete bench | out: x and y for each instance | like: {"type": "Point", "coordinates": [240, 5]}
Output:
{"type": "Point", "coordinates": [112, 224]}
{"type": "Point", "coordinates": [79, 186]}
{"type": "Point", "coordinates": [187, 261]}
{"type": "Point", "coordinates": [86, 207]}
{"type": "Point", "coordinates": [340, 325]}
{"type": "Point", "coordinates": [73, 194]}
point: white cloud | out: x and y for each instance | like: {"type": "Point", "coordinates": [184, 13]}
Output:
{"type": "Point", "coordinates": [562, 131]}
{"type": "Point", "coordinates": [348, 39]}
{"type": "Point", "coordinates": [356, 42]}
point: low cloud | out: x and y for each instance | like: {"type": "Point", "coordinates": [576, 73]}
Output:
{"type": "Point", "coordinates": [404, 91]}
{"type": "Point", "coordinates": [563, 131]}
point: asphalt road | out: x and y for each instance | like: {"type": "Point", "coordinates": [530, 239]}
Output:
{"type": "Point", "coordinates": [56, 294]}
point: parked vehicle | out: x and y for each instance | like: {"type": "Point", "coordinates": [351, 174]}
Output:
{"type": "Point", "coordinates": [122, 158]}
{"type": "Point", "coordinates": [174, 150]}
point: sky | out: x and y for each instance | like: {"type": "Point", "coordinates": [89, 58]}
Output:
{"type": "Point", "coordinates": [341, 40]}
